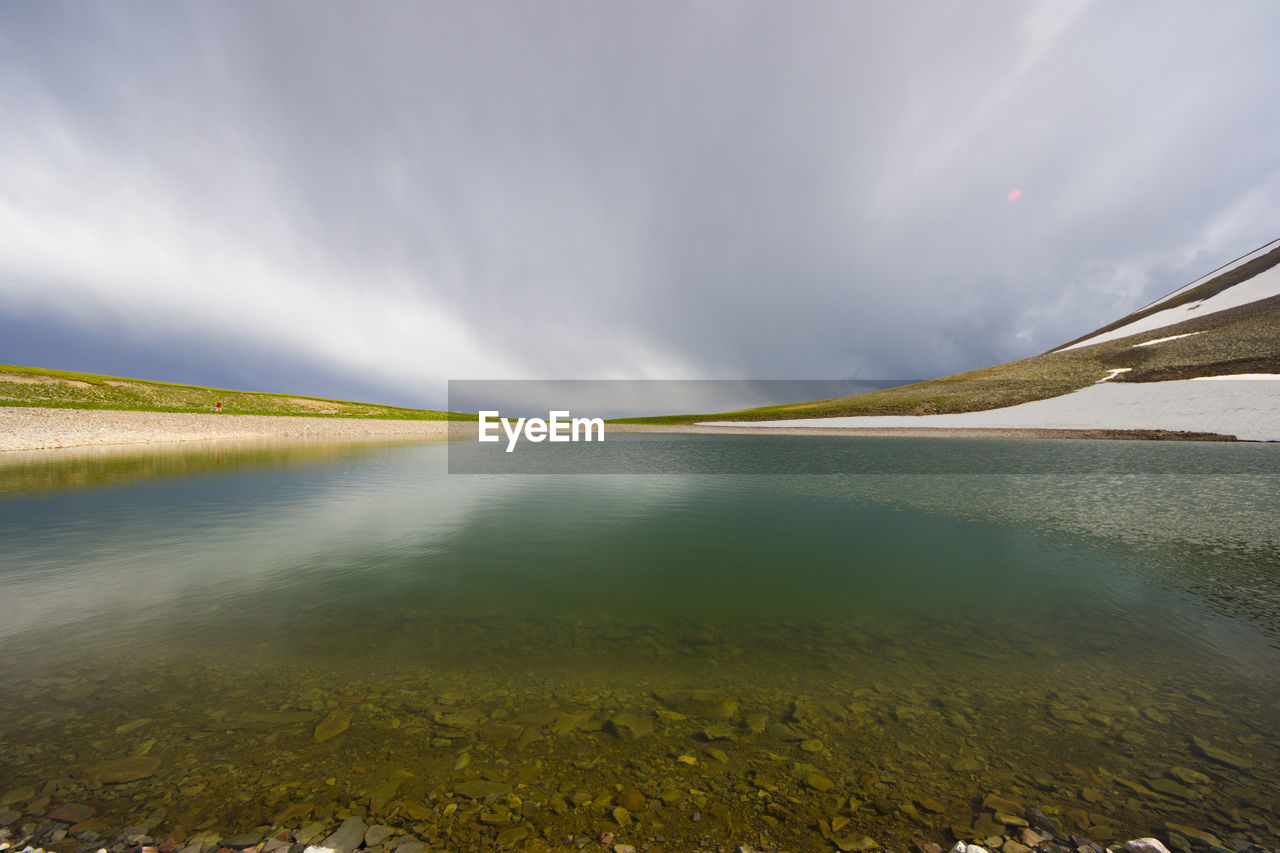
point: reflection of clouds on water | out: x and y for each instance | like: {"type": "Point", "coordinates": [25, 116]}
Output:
{"type": "Point", "coordinates": [390, 529]}
{"type": "Point", "coordinates": [214, 543]}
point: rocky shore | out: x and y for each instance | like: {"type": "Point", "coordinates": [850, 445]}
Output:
{"type": "Point", "coordinates": [40, 828]}
{"type": "Point", "coordinates": [679, 770]}
{"type": "Point", "coordinates": [23, 428]}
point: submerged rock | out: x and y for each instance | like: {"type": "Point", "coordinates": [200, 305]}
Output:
{"type": "Point", "coordinates": [407, 844]}
{"type": "Point", "coordinates": [1068, 715]}
{"type": "Point", "coordinates": [500, 733]}
{"type": "Point", "coordinates": [708, 704]}
{"type": "Point", "coordinates": [571, 721]}
{"type": "Point", "coordinates": [511, 837]}
{"type": "Point", "coordinates": [1188, 776]}
{"type": "Point", "coordinates": [499, 815]}
{"type": "Point", "coordinates": [382, 793]}
{"type": "Point", "coordinates": [309, 833]}
{"type": "Point", "coordinates": [124, 770]}
{"type": "Point", "coordinates": [630, 726]}
{"type": "Point", "coordinates": [333, 725]}
{"type": "Point", "coordinates": [291, 811]}
{"type": "Point", "coordinates": [931, 805]}
{"type": "Point", "coordinates": [71, 813]}
{"type": "Point", "coordinates": [1207, 838]}
{"type": "Point", "coordinates": [376, 834]}
{"type": "Point", "coordinates": [997, 803]}
{"type": "Point", "coordinates": [631, 799]}
{"type": "Point", "coordinates": [1171, 788]}
{"type": "Point", "coordinates": [819, 783]}
{"type": "Point", "coordinates": [1208, 750]}
{"type": "Point", "coordinates": [346, 838]}
{"type": "Point", "coordinates": [465, 718]}
{"type": "Point", "coordinates": [243, 840]}
{"type": "Point", "coordinates": [479, 789]}
{"type": "Point", "coordinates": [1030, 838]}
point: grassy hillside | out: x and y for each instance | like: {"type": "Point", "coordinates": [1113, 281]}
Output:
{"type": "Point", "coordinates": [1240, 340]}
{"type": "Point", "coordinates": [33, 386]}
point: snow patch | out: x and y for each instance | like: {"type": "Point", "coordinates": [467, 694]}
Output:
{"type": "Point", "coordinates": [1246, 410]}
{"type": "Point", "coordinates": [1112, 374]}
{"type": "Point", "coordinates": [1250, 376]}
{"type": "Point", "coordinates": [1162, 340]}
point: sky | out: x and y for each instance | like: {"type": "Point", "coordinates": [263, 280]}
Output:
{"type": "Point", "coordinates": [367, 200]}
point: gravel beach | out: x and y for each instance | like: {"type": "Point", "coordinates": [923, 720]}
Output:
{"type": "Point", "coordinates": [24, 428]}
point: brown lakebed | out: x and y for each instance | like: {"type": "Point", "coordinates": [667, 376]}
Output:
{"type": "Point", "coordinates": [563, 685]}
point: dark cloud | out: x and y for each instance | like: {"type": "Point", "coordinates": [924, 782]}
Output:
{"type": "Point", "coordinates": [384, 196]}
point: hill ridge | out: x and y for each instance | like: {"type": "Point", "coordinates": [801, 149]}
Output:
{"type": "Point", "coordinates": [63, 389]}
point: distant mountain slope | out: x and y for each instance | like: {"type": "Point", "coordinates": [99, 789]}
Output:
{"type": "Point", "coordinates": [60, 389]}
{"type": "Point", "coordinates": [1227, 322]}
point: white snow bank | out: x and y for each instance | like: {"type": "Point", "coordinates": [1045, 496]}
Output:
{"type": "Point", "coordinates": [1162, 340]}
{"type": "Point", "coordinates": [1248, 410]}
{"type": "Point", "coordinates": [1238, 376]}
{"type": "Point", "coordinates": [1263, 285]}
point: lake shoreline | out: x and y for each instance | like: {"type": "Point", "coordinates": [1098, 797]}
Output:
{"type": "Point", "coordinates": [928, 432]}
{"type": "Point", "coordinates": [41, 429]}
{"type": "Point", "coordinates": [25, 429]}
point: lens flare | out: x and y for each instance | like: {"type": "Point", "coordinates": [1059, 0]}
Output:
{"type": "Point", "coordinates": [1014, 195]}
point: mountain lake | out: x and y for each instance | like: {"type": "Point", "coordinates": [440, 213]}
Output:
{"type": "Point", "coordinates": [234, 638]}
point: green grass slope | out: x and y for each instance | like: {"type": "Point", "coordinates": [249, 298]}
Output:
{"type": "Point", "coordinates": [1240, 340]}
{"type": "Point", "coordinates": [60, 389]}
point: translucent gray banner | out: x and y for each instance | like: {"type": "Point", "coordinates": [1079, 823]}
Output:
{"type": "Point", "coordinates": [643, 398]}
{"type": "Point", "coordinates": [581, 427]}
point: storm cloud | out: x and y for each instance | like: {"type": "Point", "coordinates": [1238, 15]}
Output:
{"type": "Point", "coordinates": [366, 200]}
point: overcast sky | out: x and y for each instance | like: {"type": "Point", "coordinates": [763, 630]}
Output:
{"type": "Point", "coordinates": [367, 199]}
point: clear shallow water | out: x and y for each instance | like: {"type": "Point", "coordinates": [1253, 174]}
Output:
{"type": "Point", "coordinates": [1102, 647]}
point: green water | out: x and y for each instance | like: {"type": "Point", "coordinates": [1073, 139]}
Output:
{"type": "Point", "coordinates": [817, 656]}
